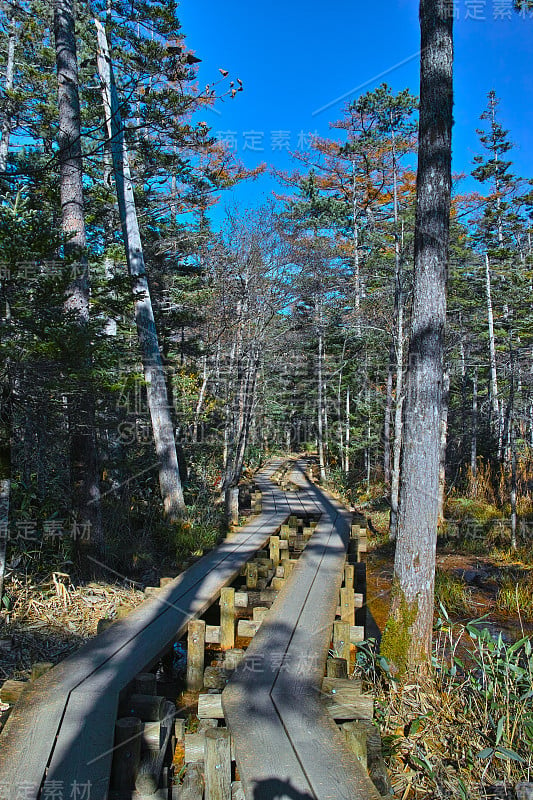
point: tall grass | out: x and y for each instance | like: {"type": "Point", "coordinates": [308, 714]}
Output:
{"type": "Point", "coordinates": [465, 724]}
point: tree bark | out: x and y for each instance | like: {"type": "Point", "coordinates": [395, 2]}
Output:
{"type": "Point", "coordinates": [162, 428]}
{"type": "Point", "coordinates": [443, 443]}
{"type": "Point", "coordinates": [5, 486]}
{"type": "Point", "coordinates": [320, 403]}
{"type": "Point", "coordinates": [85, 477]}
{"type": "Point", "coordinates": [494, 398]}
{"type": "Point", "coordinates": [408, 635]}
{"type": "Point", "coordinates": [7, 122]}
{"type": "Point", "coordinates": [473, 439]}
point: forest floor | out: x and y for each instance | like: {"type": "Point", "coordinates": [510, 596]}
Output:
{"type": "Point", "coordinates": [49, 618]}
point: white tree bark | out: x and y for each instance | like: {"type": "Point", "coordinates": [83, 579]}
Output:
{"type": "Point", "coordinates": [165, 445]}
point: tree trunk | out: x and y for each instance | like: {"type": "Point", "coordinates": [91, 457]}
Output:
{"type": "Point", "coordinates": [388, 416]}
{"type": "Point", "coordinates": [347, 434]}
{"type": "Point", "coordinates": [165, 445]}
{"type": "Point", "coordinates": [320, 412]}
{"type": "Point", "coordinates": [443, 442]}
{"type": "Point", "coordinates": [7, 122]}
{"type": "Point", "coordinates": [85, 476]}
{"type": "Point", "coordinates": [473, 439]}
{"type": "Point", "coordinates": [494, 398]}
{"type": "Point", "coordinates": [408, 635]}
{"type": "Point", "coordinates": [5, 486]}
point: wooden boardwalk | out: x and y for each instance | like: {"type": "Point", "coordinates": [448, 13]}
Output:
{"type": "Point", "coordinates": [286, 745]}
{"type": "Point", "coordinates": [59, 737]}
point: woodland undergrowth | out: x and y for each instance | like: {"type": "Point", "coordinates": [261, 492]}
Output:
{"type": "Point", "coordinates": [464, 728]}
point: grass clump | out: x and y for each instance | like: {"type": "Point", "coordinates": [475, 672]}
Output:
{"type": "Point", "coordinates": [467, 508]}
{"type": "Point", "coordinates": [462, 726]}
{"type": "Point", "coordinates": [516, 597]}
{"type": "Point", "coordinates": [452, 593]}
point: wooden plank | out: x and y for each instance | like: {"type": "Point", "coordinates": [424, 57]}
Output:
{"type": "Point", "coordinates": [210, 706]}
{"type": "Point", "coordinates": [88, 727]}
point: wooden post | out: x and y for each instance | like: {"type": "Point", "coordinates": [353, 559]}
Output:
{"type": "Point", "coordinates": [126, 754]}
{"type": "Point", "coordinates": [145, 683]}
{"type": "Point", "coordinates": [287, 565]}
{"type": "Point", "coordinates": [227, 618]}
{"type": "Point", "coordinates": [232, 505]}
{"type": "Point", "coordinates": [274, 550]}
{"type": "Point", "coordinates": [232, 658]}
{"type": "Point", "coordinates": [349, 576]}
{"type": "Point", "coordinates": [355, 735]}
{"type": "Point", "coordinates": [195, 654]}
{"type": "Point", "coordinates": [192, 787]}
{"type": "Point", "coordinates": [336, 668]}
{"type": "Point", "coordinates": [348, 606]}
{"type": "Point", "coordinates": [217, 764]}
{"type": "Point", "coordinates": [251, 576]}
{"type": "Point", "coordinates": [151, 771]}
{"type": "Point", "coordinates": [147, 707]}
{"type": "Point", "coordinates": [341, 641]}
{"type": "Point", "coordinates": [259, 613]}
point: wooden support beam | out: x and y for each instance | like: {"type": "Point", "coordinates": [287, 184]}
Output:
{"type": "Point", "coordinates": [247, 628]}
{"type": "Point", "coordinates": [357, 634]}
{"type": "Point", "coordinates": [347, 606]}
{"type": "Point", "coordinates": [349, 576]}
{"type": "Point", "coordinates": [274, 550]}
{"type": "Point", "coordinates": [251, 576]}
{"type": "Point", "coordinates": [227, 618]}
{"type": "Point", "coordinates": [195, 654]}
{"type": "Point", "coordinates": [210, 706]}
{"type": "Point", "coordinates": [145, 683]}
{"type": "Point", "coordinates": [126, 754]}
{"type": "Point", "coordinates": [217, 764]}
{"type": "Point", "coordinates": [147, 707]}
{"type": "Point", "coordinates": [212, 634]}
{"type": "Point", "coordinates": [341, 641]}
{"type": "Point", "coordinates": [336, 668]}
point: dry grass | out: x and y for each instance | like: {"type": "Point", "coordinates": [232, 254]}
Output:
{"type": "Point", "coordinates": [49, 619]}
{"type": "Point", "coordinates": [465, 726]}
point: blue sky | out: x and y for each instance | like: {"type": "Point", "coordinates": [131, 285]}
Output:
{"type": "Point", "coordinates": [296, 57]}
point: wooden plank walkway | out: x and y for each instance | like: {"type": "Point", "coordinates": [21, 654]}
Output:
{"type": "Point", "coordinates": [286, 746]}
{"type": "Point", "coordinates": [59, 738]}
{"type": "Point", "coordinates": [53, 735]}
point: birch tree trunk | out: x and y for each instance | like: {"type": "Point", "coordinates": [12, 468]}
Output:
{"type": "Point", "coordinates": [443, 443]}
{"type": "Point", "coordinates": [398, 351]}
{"type": "Point", "coordinates": [473, 439]}
{"type": "Point", "coordinates": [494, 398]}
{"type": "Point", "coordinates": [320, 403]}
{"type": "Point", "coordinates": [347, 433]}
{"type": "Point", "coordinates": [85, 477]}
{"type": "Point", "coordinates": [408, 635]}
{"type": "Point", "coordinates": [7, 122]}
{"type": "Point", "coordinates": [162, 428]}
{"type": "Point", "coordinates": [5, 486]}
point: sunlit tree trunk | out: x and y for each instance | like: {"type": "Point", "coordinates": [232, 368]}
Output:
{"type": "Point", "coordinates": [473, 439]}
{"type": "Point", "coordinates": [165, 445]}
{"type": "Point", "coordinates": [408, 635]}
{"type": "Point", "coordinates": [7, 122]}
{"type": "Point", "coordinates": [494, 397]}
